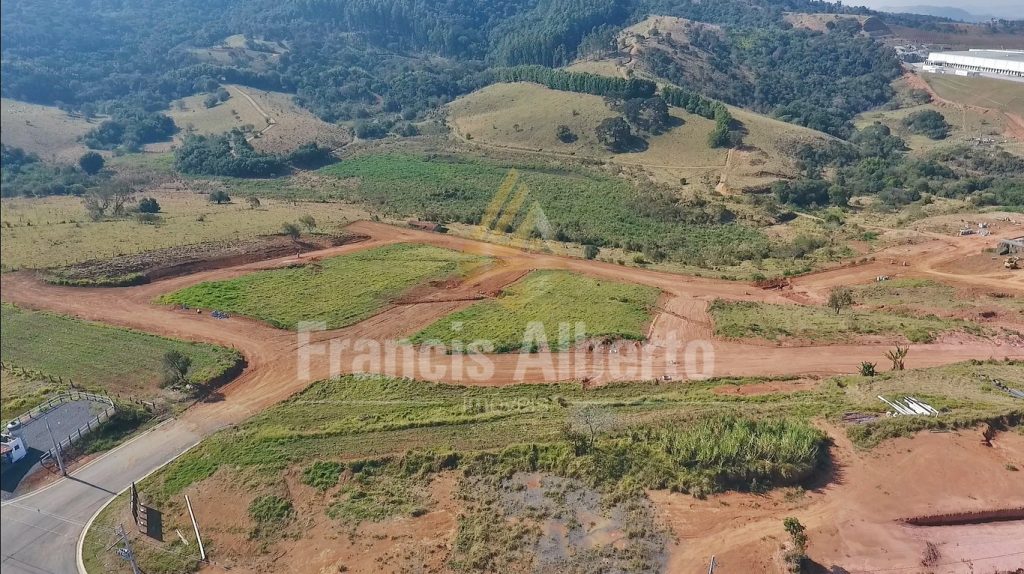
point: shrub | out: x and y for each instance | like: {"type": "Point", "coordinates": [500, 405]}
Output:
{"type": "Point", "coordinates": [91, 162]}
{"type": "Point", "coordinates": [149, 205]}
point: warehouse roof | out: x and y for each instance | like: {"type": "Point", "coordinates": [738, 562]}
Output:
{"type": "Point", "coordinates": [1007, 55]}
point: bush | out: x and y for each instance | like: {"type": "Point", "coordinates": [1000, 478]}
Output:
{"type": "Point", "coordinates": [91, 162]}
{"type": "Point", "coordinates": [149, 205]}
{"type": "Point", "coordinates": [928, 123]}
{"type": "Point", "coordinates": [590, 251]}
{"type": "Point", "coordinates": [219, 196]}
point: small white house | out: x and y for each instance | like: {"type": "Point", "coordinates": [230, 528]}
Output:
{"type": "Point", "coordinates": [12, 449]}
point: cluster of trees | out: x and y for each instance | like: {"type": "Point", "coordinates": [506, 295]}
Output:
{"type": "Point", "coordinates": [579, 82]}
{"type": "Point", "coordinates": [875, 163]}
{"type": "Point", "coordinates": [232, 155]}
{"type": "Point", "coordinates": [129, 128]}
{"type": "Point", "coordinates": [394, 60]}
{"type": "Point", "coordinates": [23, 174]}
{"type": "Point", "coordinates": [816, 80]}
{"type": "Point", "coordinates": [928, 123]}
{"type": "Point", "coordinates": [225, 155]}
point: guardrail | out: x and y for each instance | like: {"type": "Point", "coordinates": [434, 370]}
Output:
{"type": "Point", "coordinates": [76, 435]}
{"type": "Point", "coordinates": [58, 400]}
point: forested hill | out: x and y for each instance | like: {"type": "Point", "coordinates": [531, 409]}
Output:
{"type": "Point", "coordinates": [388, 60]}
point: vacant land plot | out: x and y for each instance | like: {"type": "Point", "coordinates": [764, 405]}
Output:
{"type": "Point", "coordinates": [282, 125]}
{"type": "Point", "coordinates": [1001, 95]}
{"type": "Point", "coordinates": [563, 205]}
{"type": "Point", "coordinates": [339, 291]}
{"type": "Point", "coordinates": [98, 356]}
{"type": "Point", "coordinates": [552, 308]}
{"type": "Point", "coordinates": [965, 124]}
{"type": "Point", "coordinates": [46, 131]}
{"type": "Point", "coordinates": [360, 450]}
{"type": "Point", "coordinates": [741, 319]}
{"type": "Point", "coordinates": [924, 296]}
{"type": "Point", "coordinates": [56, 231]}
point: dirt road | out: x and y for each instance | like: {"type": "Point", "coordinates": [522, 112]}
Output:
{"type": "Point", "coordinates": [275, 356]}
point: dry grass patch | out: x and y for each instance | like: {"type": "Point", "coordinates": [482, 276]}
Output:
{"type": "Point", "coordinates": [44, 130]}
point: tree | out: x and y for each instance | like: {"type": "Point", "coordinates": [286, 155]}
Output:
{"type": "Point", "coordinates": [223, 95]}
{"type": "Point", "coordinates": [219, 196]}
{"type": "Point", "coordinates": [308, 222]}
{"type": "Point", "coordinates": [253, 201]}
{"type": "Point", "coordinates": [585, 423]}
{"type": "Point", "coordinates": [614, 134]}
{"type": "Point", "coordinates": [149, 205]}
{"type": "Point", "coordinates": [896, 356]}
{"type": "Point", "coordinates": [176, 367]}
{"type": "Point", "coordinates": [109, 198]}
{"type": "Point", "coordinates": [564, 134]}
{"type": "Point", "coordinates": [929, 123]}
{"type": "Point", "coordinates": [91, 162]}
{"type": "Point", "coordinates": [590, 251]}
{"type": "Point", "coordinates": [840, 298]}
{"type": "Point", "coordinates": [211, 100]}
{"type": "Point", "coordinates": [291, 230]}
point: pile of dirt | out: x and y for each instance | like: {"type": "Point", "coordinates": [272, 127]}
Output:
{"type": "Point", "coordinates": [187, 259]}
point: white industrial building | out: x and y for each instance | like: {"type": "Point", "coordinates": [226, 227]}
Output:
{"type": "Point", "coordinates": [1005, 62]}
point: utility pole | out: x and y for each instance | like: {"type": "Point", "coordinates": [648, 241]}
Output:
{"type": "Point", "coordinates": [56, 449]}
{"type": "Point", "coordinates": [126, 552]}
{"type": "Point", "coordinates": [202, 551]}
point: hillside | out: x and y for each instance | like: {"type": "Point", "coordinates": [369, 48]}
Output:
{"type": "Point", "coordinates": [281, 125]}
{"type": "Point", "coordinates": [46, 131]}
{"type": "Point", "coordinates": [524, 117]}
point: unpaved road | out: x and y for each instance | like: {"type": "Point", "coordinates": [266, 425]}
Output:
{"type": "Point", "coordinates": [40, 530]}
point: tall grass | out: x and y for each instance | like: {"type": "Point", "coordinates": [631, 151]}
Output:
{"type": "Point", "coordinates": [339, 291]}
{"type": "Point", "coordinates": [607, 309]}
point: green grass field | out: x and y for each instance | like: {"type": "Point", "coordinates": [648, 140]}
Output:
{"type": "Point", "coordinates": [920, 294]}
{"type": "Point", "coordinates": [582, 207]}
{"type": "Point", "coordinates": [386, 434]}
{"type": "Point", "coordinates": [339, 291]}
{"type": "Point", "coordinates": [44, 232]}
{"type": "Point", "coordinates": [741, 319]}
{"type": "Point", "coordinates": [607, 309]}
{"type": "Point", "coordinates": [96, 356]}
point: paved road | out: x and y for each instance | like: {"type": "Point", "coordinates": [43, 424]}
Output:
{"type": "Point", "coordinates": [40, 531]}
{"type": "Point", "coordinates": [64, 420]}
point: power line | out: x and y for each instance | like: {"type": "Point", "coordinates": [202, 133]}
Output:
{"type": "Point", "coordinates": [961, 561]}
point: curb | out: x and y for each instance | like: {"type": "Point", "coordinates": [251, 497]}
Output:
{"type": "Point", "coordinates": [46, 487]}
{"type": "Point", "coordinates": [79, 562]}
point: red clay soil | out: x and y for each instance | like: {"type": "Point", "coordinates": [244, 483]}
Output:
{"type": "Point", "coordinates": [273, 358]}
{"type": "Point", "coordinates": [854, 521]}
{"type": "Point", "coordinates": [402, 544]}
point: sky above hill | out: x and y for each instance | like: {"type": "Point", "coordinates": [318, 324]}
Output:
{"type": "Point", "coordinates": [1001, 8]}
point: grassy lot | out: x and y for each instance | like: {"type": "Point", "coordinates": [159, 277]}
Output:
{"type": "Point", "coordinates": [581, 207]}
{"type": "Point", "coordinates": [340, 290]}
{"type": "Point", "coordinates": [365, 444]}
{"type": "Point", "coordinates": [924, 294]}
{"type": "Point", "coordinates": [741, 319]}
{"type": "Point", "coordinates": [1002, 95]}
{"type": "Point", "coordinates": [42, 345]}
{"type": "Point", "coordinates": [44, 130]}
{"type": "Point", "coordinates": [56, 231]}
{"type": "Point", "coordinates": [607, 309]}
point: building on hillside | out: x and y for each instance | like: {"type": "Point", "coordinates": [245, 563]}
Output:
{"type": "Point", "coordinates": [1004, 62]}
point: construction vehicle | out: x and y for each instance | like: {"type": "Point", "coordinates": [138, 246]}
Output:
{"type": "Point", "coordinates": [1012, 263]}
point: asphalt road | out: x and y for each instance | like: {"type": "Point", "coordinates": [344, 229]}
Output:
{"type": "Point", "coordinates": [39, 532]}
{"type": "Point", "coordinates": [64, 420]}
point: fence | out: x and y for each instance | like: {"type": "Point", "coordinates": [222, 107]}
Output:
{"type": "Point", "coordinates": [76, 435]}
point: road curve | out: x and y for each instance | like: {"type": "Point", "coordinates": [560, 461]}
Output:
{"type": "Point", "coordinates": [40, 530]}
